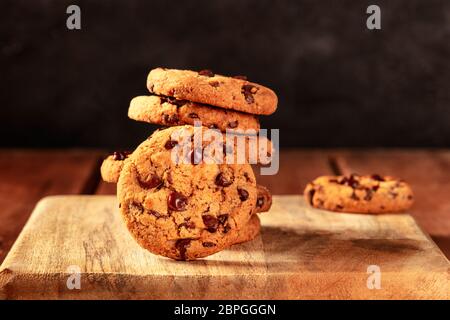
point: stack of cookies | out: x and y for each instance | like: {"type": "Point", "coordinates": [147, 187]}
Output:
{"type": "Point", "coordinates": [193, 208]}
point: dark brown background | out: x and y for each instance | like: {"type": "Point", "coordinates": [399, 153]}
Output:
{"type": "Point", "coordinates": [339, 84]}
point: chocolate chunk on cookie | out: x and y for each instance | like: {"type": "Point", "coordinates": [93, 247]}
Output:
{"type": "Point", "coordinates": [212, 89]}
{"type": "Point", "coordinates": [359, 194]}
{"type": "Point", "coordinates": [186, 215]}
{"type": "Point", "coordinates": [172, 112]}
{"type": "Point", "coordinates": [264, 199]}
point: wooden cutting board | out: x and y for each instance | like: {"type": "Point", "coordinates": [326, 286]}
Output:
{"type": "Point", "coordinates": [302, 253]}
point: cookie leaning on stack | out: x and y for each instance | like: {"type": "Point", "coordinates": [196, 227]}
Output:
{"type": "Point", "coordinates": [190, 210]}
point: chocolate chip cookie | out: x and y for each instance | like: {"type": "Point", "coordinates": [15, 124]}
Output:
{"type": "Point", "coordinates": [359, 194]}
{"type": "Point", "coordinates": [212, 89]}
{"type": "Point", "coordinates": [169, 111]}
{"type": "Point", "coordinates": [112, 165]}
{"type": "Point", "coordinates": [184, 211]}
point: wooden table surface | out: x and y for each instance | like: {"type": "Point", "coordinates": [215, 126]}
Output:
{"type": "Point", "coordinates": [28, 175]}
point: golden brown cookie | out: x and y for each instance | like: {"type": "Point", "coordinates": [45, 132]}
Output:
{"type": "Point", "coordinates": [169, 111]}
{"type": "Point", "coordinates": [183, 211]}
{"type": "Point", "coordinates": [359, 194]}
{"type": "Point", "coordinates": [212, 89]}
{"type": "Point", "coordinates": [112, 165]}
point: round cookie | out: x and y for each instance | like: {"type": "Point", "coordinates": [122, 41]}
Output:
{"type": "Point", "coordinates": [112, 165]}
{"type": "Point", "coordinates": [169, 111]}
{"type": "Point", "coordinates": [183, 211]}
{"type": "Point", "coordinates": [359, 194]}
{"type": "Point", "coordinates": [208, 88]}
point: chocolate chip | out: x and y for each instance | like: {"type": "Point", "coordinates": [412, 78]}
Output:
{"type": "Point", "coordinates": [182, 245]}
{"type": "Point", "coordinates": [120, 155]}
{"type": "Point", "coordinates": [210, 223]}
{"type": "Point", "coordinates": [339, 207]}
{"type": "Point", "coordinates": [187, 225]}
{"type": "Point", "coordinates": [248, 90]}
{"type": "Point", "coordinates": [206, 72]}
{"type": "Point", "coordinates": [243, 194]}
{"type": "Point", "coordinates": [170, 144]}
{"type": "Point", "coordinates": [193, 115]}
{"type": "Point", "coordinates": [377, 177]}
{"type": "Point", "coordinates": [375, 188]}
{"type": "Point", "coordinates": [222, 181]}
{"type": "Point", "coordinates": [155, 213]}
{"type": "Point", "coordinates": [208, 244]}
{"type": "Point", "coordinates": [171, 119]}
{"type": "Point", "coordinates": [213, 126]}
{"type": "Point", "coordinates": [154, 182]}
{"type": "Point", "coordinates": [176, 201]}
{"type": "Point", "coordinates": [233, 124]}
{"type": "Point", "coordinates": [136, 208]}
{"type": "Point", "coordinates": [222, 218]}
{"type": "Point", "coordinates": [352, 182]}
{"type": "Point", "coordinates": [369, 194]}
{"type": "Point", "coordinates": [226, 228]}
{"type": "Point", "coordinates": [240, 77]}
{"type": "Point", "coordinates": [214, 84]}
{"type": "Point", "coordinates": [354, 196]}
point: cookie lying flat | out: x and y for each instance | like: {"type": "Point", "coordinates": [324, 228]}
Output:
{"type": "Point", "coordinates": [211, 89]}
{"type": "Point", "coordinates": [112, 165]}
{"type": "Point", "coordinates": [169, 111]}
{"type": "Point", "coordinates": [183, 211]}
{"type": "Point", "coordinates": [359, 194]}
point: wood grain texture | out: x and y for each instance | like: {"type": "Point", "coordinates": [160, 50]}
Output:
{"type": "Point", "coordinates": [301, 253]}
{"type": "Point", "coordinates": [29, 175]}
{"type": "Point", "coordinates": [428, 172]}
